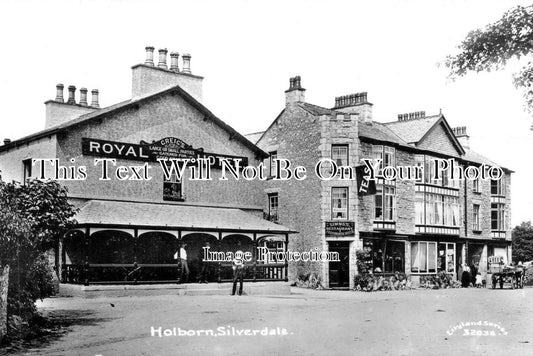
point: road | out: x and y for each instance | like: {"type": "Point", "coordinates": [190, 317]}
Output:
{"type": "Point", "coordinates": [418, 322]}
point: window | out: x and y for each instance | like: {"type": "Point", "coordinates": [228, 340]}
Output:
{"type": "Point", "coordinates": [274, 247]}
{"type": "Point", "coordinates": [475, 185]}
{"type": "Point", "coordinates": [475, 218]}
{"type": "Point", "coordinates": [386, 154]}
{"type": "Point", "coordinates": [273, 207]}
{"type": "Point", "coordinates": [446, 259]}
{"type": "Point", "coordinates": [384, 201]}
{"type": "Point", "coordinates": [26, 170]}
{"type": "Point", "coordinates": [339, 203]}
{"type": "Point", "coordinates": [497, 187]}
{"type": "Point", "coordinates": [387, 255]}
{"type": "Point", "coordinates": [339, 154]}
{"type": "Point", "coordinates": [272, 163]}
{"type": "Point", "coordinates": [497, 217]}
{"type": "Point", "coordinates": [172, 188]}
{"type": "Point", "coordinates": [437, 209]}
{"type": "Point", "coordinates": [423, 257]}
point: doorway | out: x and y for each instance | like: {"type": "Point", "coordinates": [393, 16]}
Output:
{"type": "Point", "coordinates": [339, 271]}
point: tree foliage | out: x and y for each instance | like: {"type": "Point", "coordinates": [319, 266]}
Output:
{"type": "Point", "coordinates": [492, 47]}
{"type": "Point", "coordinates": [523, 242]}
{"type": "Point", "coordinates": [32, 218]}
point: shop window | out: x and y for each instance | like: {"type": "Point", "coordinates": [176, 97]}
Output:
{"type": "Point", "coordinates": [386, 256]}
{"type": "Point", "coordinates": [172, 188]}
{"type": "Point", "coordinates": [339, 203]}
{"type": "Point", "coordinates": [475, 218]}
{"type": "Point", "coordinates": [497, 187]}
{"type": "Point", "coordinates": [272, 163]}
{"type": "Point", "coordinates": [497, 217]}
{"type": "Point", "coordinates": [339, 154]}
{"type": "Point", "coordinates": [446, 259]}
{"type": "Point", "coordinates": [423, 257]}
{"type": "Point", "coordinates": [26, 170]}
{"type": "Point", "coordinates": [384, 203]}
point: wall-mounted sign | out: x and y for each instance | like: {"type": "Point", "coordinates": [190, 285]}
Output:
{"type": "Point", "coordinates": [365, 186]}
{"type": "Point", "coordinates": [340, 228]}
{"type": "Point", "coordinates": [169, 147]}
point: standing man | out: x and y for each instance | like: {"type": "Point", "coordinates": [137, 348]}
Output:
{"type": "Point", "coordinates": [238, 271]}
{"type": "Point", "coordinates": [184, 265]}
{"type": "Point", "coordinates": [204, 265]}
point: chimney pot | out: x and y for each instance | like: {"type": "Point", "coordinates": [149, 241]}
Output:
{"type": "Point", "coordinates": [149, 56]}
{"type": "Point", "coordinates": [94, 101]}
{"type": "Point", "coordinates": [83, 97]}
{"type": "Point", "coordinates": [71, 95]}
{"type": "Point", "coordinates": [162, 58]}
{"type": "Point", "coordinates": [7, 141]}
{"type": "Point", "coordinates": [59, 93]}
{"type": "Point", "coordinates": [186, 63]}
{"type": "Point", "coordinates": [174, 61]}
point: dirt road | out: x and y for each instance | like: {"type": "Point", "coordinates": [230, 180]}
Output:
{"type": "Point", "coordinates": [419, 322]}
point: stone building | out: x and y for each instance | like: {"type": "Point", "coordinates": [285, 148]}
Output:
{"type": "Point", "coordinates": [136, 213]}
{"type": "Point", "coordinates": [133, 218]}
{"type": "Point", "coordinates": [418, 227]}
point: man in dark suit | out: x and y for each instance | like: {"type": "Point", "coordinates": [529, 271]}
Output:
{"type": "Point", "coordinates": [238, 271]}
{"type": "Point", "coordinates": [204, 265]}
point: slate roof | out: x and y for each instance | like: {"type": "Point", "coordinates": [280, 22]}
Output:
{"type": "Point", "coordinates": [101, 113]}
{"type": "Point", "coordinates": [412, 131]}
{"type": "Point", "coordinates": [173, 216]}
{"type": "Point", "coordinates": [254, 137]}
{"type": "Point", "coordinates": [317, 110]}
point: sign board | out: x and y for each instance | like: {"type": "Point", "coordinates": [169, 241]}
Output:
{"type": "Point", "coordinates": [168, 147]}
{"type": "Point", "coordinates": [340, 228]}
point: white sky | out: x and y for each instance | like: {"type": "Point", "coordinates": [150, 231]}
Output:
{"type": "Point", "coordinates": [247, 50]}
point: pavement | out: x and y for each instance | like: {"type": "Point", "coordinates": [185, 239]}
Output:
{"type": "Point", "coordinates": [307, 322]}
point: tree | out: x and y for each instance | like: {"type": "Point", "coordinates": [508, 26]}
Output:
{"type": "Point", "coordinates": [523, 242]}
{"type": "Point", "coordinates": [511, 37]}
{"type": "Point", "coordinates": [32, 218]}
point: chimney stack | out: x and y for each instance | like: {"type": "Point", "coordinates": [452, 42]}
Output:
{"type": "Point", "coordinates": [162, 59]}
{"type": "Point", "coordinates": [186, 63]}
{"type": "Point", "coordinates": [149, 56]}
{"type": "Point", "coordinates": [71, 95]}
{"type": "Point", "coordinates": [59, 93]}
{"type": "Point", "coordinates": [295, 93]}
{"type": "Point", "coordinates": [7, 141]}
{"type": "Point", "coordinates": [174, 61]}
{"type": "Point", "coordinates": [356, 103]}
{"type": "Point", "coordinates": [148, 79]}
{"type": "Point", "coordinates": [83, 97]}
{"type": "Point", "coordinates": [412, 116]}
{"type": "Point", "coordinates": [462, 136]}
{"type": "Point", "coordinates": [94, 101]}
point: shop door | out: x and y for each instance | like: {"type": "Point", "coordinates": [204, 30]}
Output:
{"type": "Point", "coordinates": [339, 272]}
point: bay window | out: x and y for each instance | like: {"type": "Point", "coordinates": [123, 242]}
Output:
{"type": "Point", "coordinates": [384, 203]}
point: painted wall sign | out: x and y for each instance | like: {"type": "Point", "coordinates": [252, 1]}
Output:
{"type": "Point", "coordinates": [168, 147]}
{"type": "Point", "coordinates": [340, 228]}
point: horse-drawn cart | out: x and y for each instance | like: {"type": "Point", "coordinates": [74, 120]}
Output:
{"type": "Point", "coordinates": [501, 273]}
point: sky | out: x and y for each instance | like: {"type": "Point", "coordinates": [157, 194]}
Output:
{"type": "Point", "coordinates": [248, 50]}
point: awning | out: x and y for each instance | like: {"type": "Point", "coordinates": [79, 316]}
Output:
{"type": "Point", "coordinates": [162, 216]}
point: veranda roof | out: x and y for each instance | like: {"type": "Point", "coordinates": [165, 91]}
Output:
{"type": "Point", "coordinates": [155, 215]}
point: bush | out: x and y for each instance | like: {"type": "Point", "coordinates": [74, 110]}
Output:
{"type": "Point", "coordinates": [378, 282]}
{"type": "Point", "coordinates": [32, 281]}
